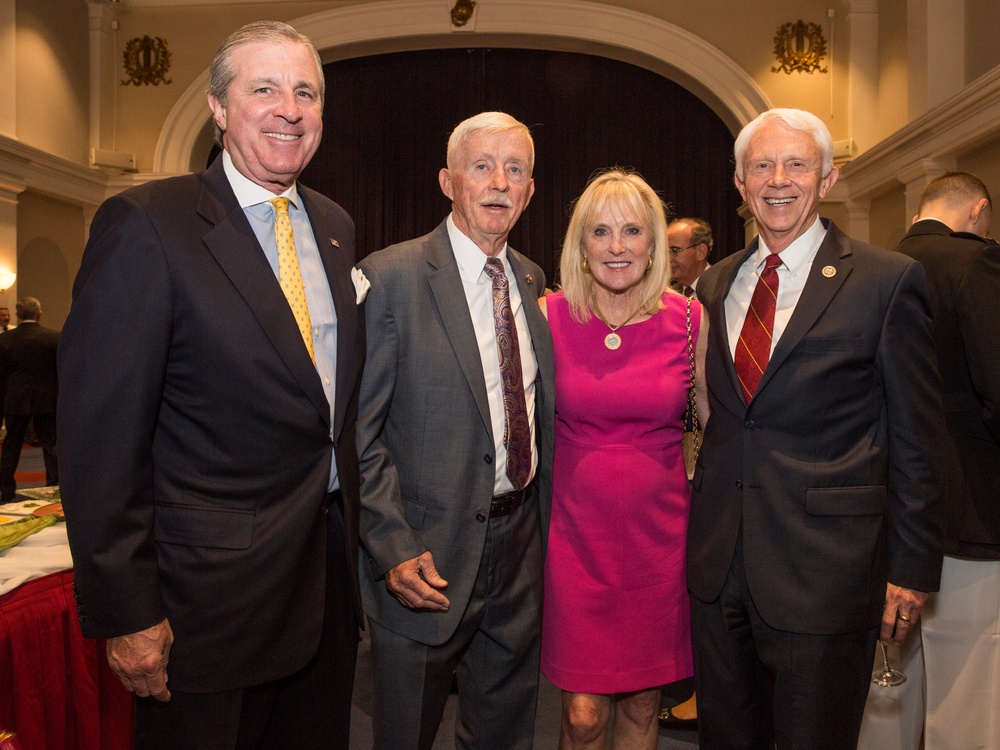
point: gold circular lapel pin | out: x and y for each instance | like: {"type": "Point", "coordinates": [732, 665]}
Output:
{"type": "Point", "coordinates": [829, 271]}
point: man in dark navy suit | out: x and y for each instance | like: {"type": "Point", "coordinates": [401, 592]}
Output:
{"type": "Point", "coordinates": [815, 523]}
{"type": "Point", "coordinates": [210, 474]}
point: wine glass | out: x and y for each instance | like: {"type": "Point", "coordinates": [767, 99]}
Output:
{"type": "Point", "coordinates": [886, 676]}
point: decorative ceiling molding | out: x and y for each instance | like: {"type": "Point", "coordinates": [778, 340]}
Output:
{"type": "Point", "coordinates": [568, 25]}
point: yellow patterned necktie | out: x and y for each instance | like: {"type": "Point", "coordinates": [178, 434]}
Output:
{"type": "Point", "coordinates": [289, 273]}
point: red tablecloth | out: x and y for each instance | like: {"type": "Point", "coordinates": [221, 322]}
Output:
{"type": "Point", "coordinates": [57, 691]}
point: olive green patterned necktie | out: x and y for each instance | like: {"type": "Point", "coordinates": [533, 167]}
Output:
{"type": "Point", "coordinates": [289, 273]}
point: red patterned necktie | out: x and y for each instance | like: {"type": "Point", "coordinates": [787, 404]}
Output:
{"type": "Point", "coordinates": [754, 347]}
{"type": "Point", "coordinates": [517, 434]}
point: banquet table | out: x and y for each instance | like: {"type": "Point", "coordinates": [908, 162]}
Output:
{"type": "Point", "coordinates": [57, 691]}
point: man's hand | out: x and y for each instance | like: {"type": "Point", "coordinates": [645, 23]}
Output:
{"type": "Point", "coordinates": [414, 583]}
{"type": "Point", "coordinates": [902, 611]}
{"type": "Point", "coordinates": [140, 660]}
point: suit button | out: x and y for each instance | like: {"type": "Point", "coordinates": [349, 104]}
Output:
{"type": "Point", "coordinates": [481, 517]}
{"type": "Point", "coordinates": [739, 484]}
{"type": "Point", "coordinates": [749, 424]}
{"type": "Point", "coordinates": [488, 458]}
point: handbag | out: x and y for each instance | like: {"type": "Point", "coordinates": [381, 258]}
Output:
{"type": "Point", "coordinates": [691, 443]}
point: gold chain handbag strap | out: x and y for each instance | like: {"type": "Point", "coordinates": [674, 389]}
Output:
{"type": "Point", "coordinates": [692, 400]}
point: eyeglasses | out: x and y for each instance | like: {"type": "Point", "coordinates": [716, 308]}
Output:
{"type": "Point", "coordinates": [678, 250]}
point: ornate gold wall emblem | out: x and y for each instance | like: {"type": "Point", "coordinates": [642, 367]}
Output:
{"type": "Point", "coordinates": [799, 46]}
{"type": "Point", "coordinates": [147, 60]}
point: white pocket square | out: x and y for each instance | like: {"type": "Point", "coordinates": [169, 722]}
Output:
{"type": "Point", "coordinates": [361, 284]}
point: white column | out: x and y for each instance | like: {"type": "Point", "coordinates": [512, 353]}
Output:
{"type": "Point", "coordinates": [103, 20]}
{"type": "Point", "coordinates": [935, 44]}
{"type": "Point", "coordinates": [749, 223]}
{"type": "Point", "coordinates": [8, 68]}
{"type": "Point", "coordinates": [863, 73]}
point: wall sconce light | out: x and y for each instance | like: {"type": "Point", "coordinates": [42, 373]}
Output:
{"type": "Point", "coordinates": [799, 46]}
{"type": "Point", "coordinates": [7, 280]}
{"type": "Point", "coordinates": [462, 12]}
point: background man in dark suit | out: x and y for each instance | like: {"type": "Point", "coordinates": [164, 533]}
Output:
{"type": "Point", "coordinates": [453, 570]}
{"type": "Point", "coordinates": [210, 471]}
{"type": "Point", "coordinates": [960, 622]}
{"type": "Point", "coordinates": [4, 320]}
{"type": "Point", "coordinates": [690, 243]}
{"type": "Point", "coordinates": [28, 391]}
{"type": "Point", "coordinates": [816, 482]}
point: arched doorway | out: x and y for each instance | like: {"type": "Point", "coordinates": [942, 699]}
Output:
{"type": "Point", "coordinates": [387, 119]}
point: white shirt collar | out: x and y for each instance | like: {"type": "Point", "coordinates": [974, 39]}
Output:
{"type": "Point", "coordinates": [470, 258]}
{"type": "Point", "coordinates": [248, 192]}
{"type": "Point", "coordinates": [798, 256]}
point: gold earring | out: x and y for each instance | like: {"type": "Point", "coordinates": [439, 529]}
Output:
{"type": "Point", "coordinates": [585, 265]}
{"type": "Point", "coordinates": [649, 265]}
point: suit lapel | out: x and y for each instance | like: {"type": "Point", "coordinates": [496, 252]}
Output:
{"type": "Point", "coordinates": [234, 245]}
{"type": "Point", "coordinates": [538, 327]}
{"type": "Point", "coordinates": [453, 307]}
{"type": "Point", "coordinates": [829, 271]}
{"type": "Point", "coordinates": [337, 261]}
{"type": "Point", "coordinates": [718, 323]}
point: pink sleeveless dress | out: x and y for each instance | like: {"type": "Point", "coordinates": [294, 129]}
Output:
{"type": "Point", "coordinates": [615, 617]}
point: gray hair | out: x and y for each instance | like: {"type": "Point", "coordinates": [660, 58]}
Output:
{"type": "Point", "coordinates": [490, 123]}
{"type": "Point", "coordinates": [28, 308]}
{"type": "Point", "coordinates": [796, 119]}
{"type": "Point", "coordinates": [701, 230]}
{"type": "Point", "coordinates": [223, 71]}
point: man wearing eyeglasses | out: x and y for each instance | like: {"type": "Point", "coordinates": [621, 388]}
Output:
{"type": "Point", "coordinates": [690, 243]}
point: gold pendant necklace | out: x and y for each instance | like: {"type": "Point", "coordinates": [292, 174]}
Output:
{"type": "Point", "coordinates": [612, 341]}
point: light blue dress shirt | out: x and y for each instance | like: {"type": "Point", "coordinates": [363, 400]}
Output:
{"type": "Point", "coordinates": [322, 314]}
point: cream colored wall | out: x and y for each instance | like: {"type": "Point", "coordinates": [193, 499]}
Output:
{"type": "Point", "coordinates": [745, 32]}
{"type": "Point", "coordinates": [52, 77]}
{"type": "Point", "coordinates": [192, 34]}
{"type": "Point", "coordinates": [49, 249]}
{"type": "Point", "coordinates": [982, 37]}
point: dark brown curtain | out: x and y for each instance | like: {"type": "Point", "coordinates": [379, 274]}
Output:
{"type": "Point", "coordinates": [388, 117]}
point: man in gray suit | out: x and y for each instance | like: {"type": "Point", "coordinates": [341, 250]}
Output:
{"type": "Point", "coordinates": [455, 443]}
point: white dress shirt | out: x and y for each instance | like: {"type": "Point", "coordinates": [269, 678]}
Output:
{"type": "Point", "coordinates": [478, 287]}
{"type": "Point", "coordinates": [796, 260]}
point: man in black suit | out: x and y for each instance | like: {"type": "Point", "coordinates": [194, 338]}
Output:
{"type": "Point", "coordinates": [962, 619]}
{"type": "Point", "coordinates": [210, 475]}
{"type": "Point", "coordinates": [815, 524]}
{"type": "Point", "coordinates": [4, 319]}
{"type": "Point", "coordinates": [29, 386]}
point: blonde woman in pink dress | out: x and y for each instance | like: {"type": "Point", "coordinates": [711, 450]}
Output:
{"type": "Point", "coordinates": [615, 621]}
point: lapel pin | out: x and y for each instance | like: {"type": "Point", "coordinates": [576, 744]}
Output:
{"type": "Point", "coordinates": [334, 243]}
{"type": "Point", "coordinates": [529, 279]}
{"type": "Point", "coordinates": [829, 271]}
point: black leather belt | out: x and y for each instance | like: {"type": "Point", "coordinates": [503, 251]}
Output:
{"type": "Point", "coordinates": [504, 505]}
